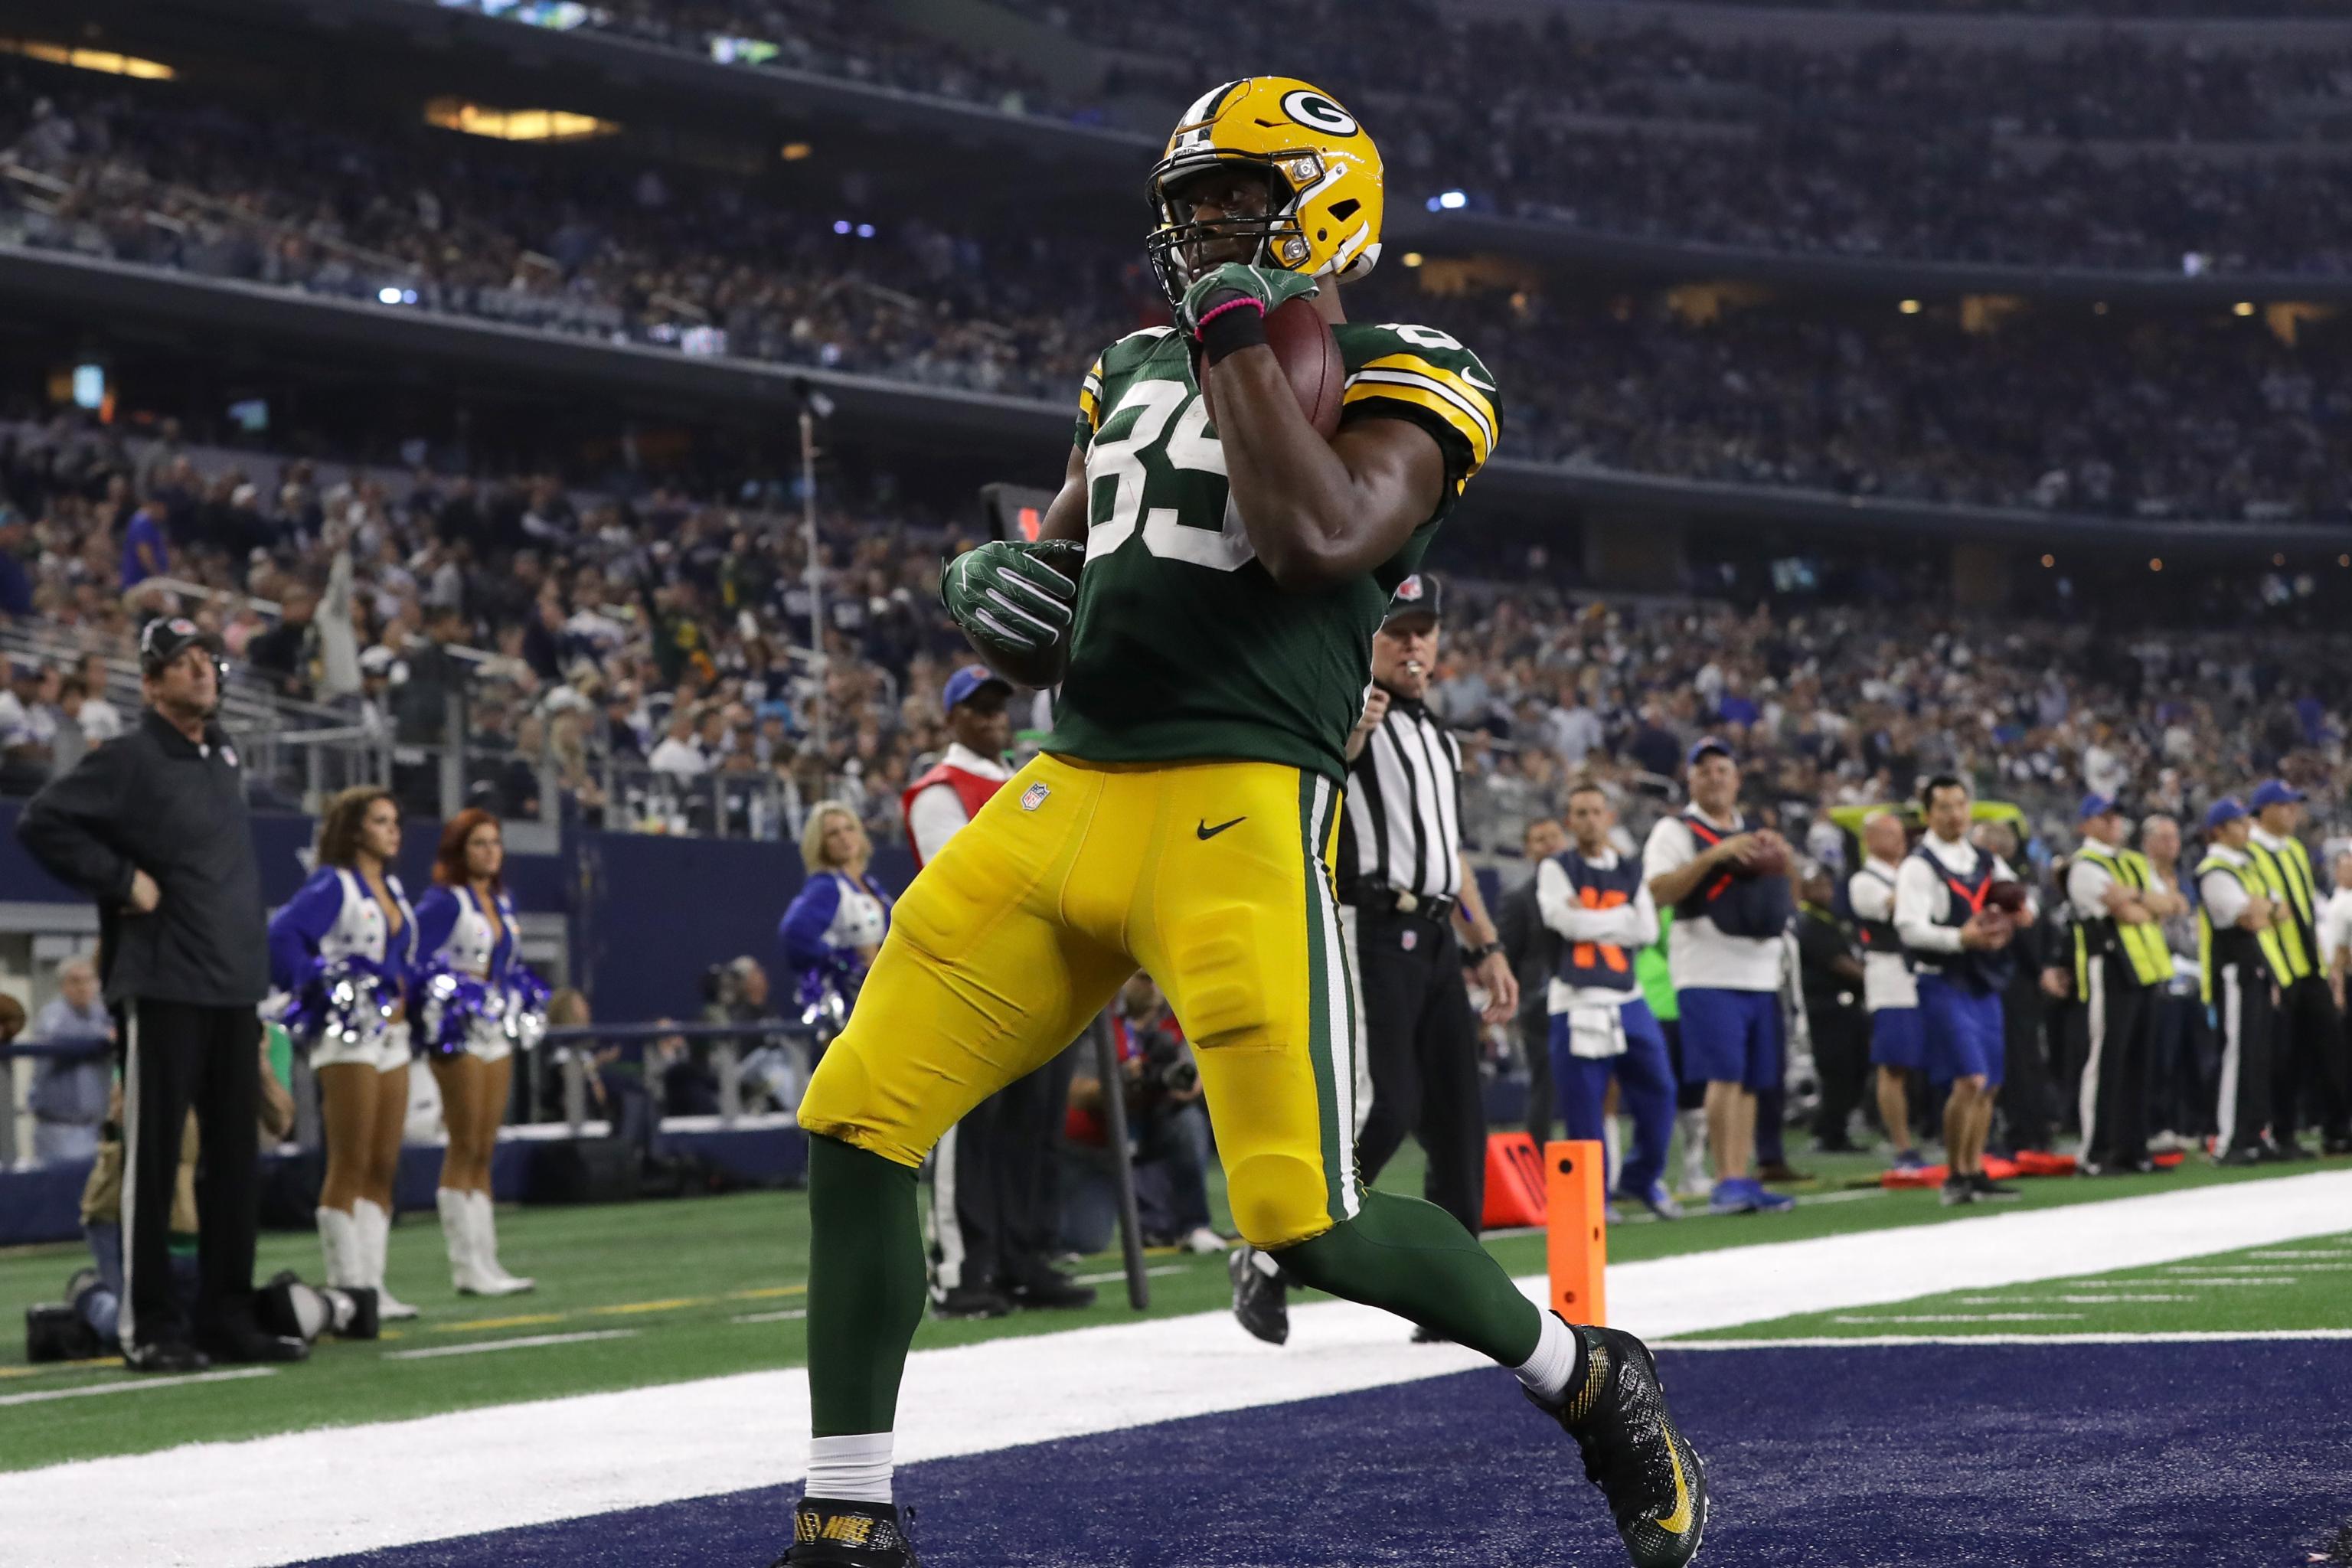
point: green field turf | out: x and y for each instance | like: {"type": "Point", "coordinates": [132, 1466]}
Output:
{"type": "Point", "coordinates": [2295, 1285]}
{"type": "Point", "coordinates": [702, 1287]}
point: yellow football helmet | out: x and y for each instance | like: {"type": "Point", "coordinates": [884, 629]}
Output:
{"type": "Point", "coordinates": [1323, 180]}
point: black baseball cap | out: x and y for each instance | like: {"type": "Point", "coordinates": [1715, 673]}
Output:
{"type": "Point", "coordinates": [1419, 594]}
{"type": "Point", "coordinates": [166, 637]}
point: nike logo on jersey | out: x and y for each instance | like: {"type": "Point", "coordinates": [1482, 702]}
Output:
{"type": "Point", "coordinates": [1205, 831]}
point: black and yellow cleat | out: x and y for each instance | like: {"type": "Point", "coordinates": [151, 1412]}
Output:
{"type": "Point", "coordinates": [830, 1534]}
{"type": "Point", "coordinates": [1654, 1480]}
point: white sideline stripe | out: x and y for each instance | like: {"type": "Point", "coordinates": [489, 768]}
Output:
{"type": "Point", "coordinates": [192, 1506]}
{"type": "Point", "coordinates": [2325, 1252]}
{"type": "Point", "coordinates": [2174, 1337]}
{"type": "Point", "coordinates": [137, 1385]}
{"type": "Point", "coordinates": [1119, 1274]}
{"type": "Point", "coordinates": [528, 1341]}
{"type": "Point", "coordinates": [788, 1315]}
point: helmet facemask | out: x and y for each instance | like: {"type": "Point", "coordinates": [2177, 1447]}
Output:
{"type": "Point", "coordinates": [1274, 237]}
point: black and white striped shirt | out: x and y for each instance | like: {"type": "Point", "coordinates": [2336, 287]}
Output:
{"type": "Point", "coordinates": [1402, 826]}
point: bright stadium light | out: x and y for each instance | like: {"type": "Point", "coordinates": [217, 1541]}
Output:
{"type": "Point", "coordinates": [865, 231]}
{"type": "Point", "coordinates": [1909, 307]}
{"type": "Point", "coordinates": [2242, 308]}
{"type": "Point", "coordinates": [1450, 200]}
{"type": "Point", "coordinates": [515, 124]}
{"type": "Point", "coordinates": [388, 294]}
{"type": "Point", "coordinates": [796, 150]}
{"type": "Point", "coordinates": [841, 226]}
{"type": "Point", "coordinates": [106, 61]}
{"type": "Point", "coordinates": [1412, 258]}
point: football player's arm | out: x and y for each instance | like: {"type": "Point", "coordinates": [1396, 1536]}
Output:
{"type": "Point", "coordinates": [1065, 516]}
{"type": "Point", "coordinates": [1318, 512]}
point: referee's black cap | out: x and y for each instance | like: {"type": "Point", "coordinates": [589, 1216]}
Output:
{"type": "Point", "coordinates": [1419, 594]}
{"type": "Point", "coordinates": [166, 637]}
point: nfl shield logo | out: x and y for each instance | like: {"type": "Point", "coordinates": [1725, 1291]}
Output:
{"type": "Point", "coordinates": [1412, 940]}
{"type": "Point", "coordinates": [1033, 796]}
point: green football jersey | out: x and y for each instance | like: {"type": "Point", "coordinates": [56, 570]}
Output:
{"type": "Point", "coordinates": [1184, 649]}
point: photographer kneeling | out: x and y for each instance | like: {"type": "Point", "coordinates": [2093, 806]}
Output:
{"type": "Point", "coordinates": [1166, 1120]}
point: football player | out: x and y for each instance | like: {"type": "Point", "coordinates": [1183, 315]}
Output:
{"type": "Point", "coordinates": [1217, 586]}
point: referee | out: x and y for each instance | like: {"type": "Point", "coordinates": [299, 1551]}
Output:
{"type": "Point", "coordinates": [1412, 919]}
{"type": "Point", "coordinates": [153, 827]}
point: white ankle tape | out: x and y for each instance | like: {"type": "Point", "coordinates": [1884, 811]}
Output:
{"type": "Point", "coordinates": [855, 1468]}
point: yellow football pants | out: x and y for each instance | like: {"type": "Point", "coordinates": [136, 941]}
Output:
{"type": "Point", "coordinates": [1213, 877]}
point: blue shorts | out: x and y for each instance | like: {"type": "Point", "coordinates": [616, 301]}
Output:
{"type": "Point", "coordinates": [1731, 1037]}
{"type": "Point", "coordinates": [1897, 1040]}
{"type": "Point", "coordinates": [1965, 1032]}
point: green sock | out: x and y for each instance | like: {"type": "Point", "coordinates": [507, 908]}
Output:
{"type": "Point", "coordinates": [866, 1286]}
{"type": "Point", "coordinates": [1414, 1259]}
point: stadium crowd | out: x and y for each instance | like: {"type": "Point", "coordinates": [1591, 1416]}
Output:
{"type": "Point", "coordinates": [1897, 148]}
{"type": "Point", "coordinates": [2157, 415]}
{"type": "Point", "coordinates": [624, 643]}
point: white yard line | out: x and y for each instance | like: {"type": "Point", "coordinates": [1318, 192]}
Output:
{"type": "Point", "coordinates": [2064, 1300]}
{"type": "Point", "coordinates": [525, 1343]}
{"type": "Point", "coordinates": [137, 1385]}
{"type": "Point", "coordinates": [1121, 1274]}
{"type": "Point", "coordinates": [790, 1314]}
{"type": "Point", "coordinates": [1959, 1318]}
{"type": "Point", "coordinates": [190, 1507]}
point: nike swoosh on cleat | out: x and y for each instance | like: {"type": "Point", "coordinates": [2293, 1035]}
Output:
{"type": "Point", "coordinates": [1205, 831]}
{"type": "Point", "coordinates": [1679, 1520]}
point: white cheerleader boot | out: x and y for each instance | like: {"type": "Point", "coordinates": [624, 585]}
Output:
{"type": "Point", "coordinates": [485, 1246]}
{"type": "Point", "coordinates": [466, 1271]}
{"type": "Point", "coordinates": [375, 1241]}
{"type": "Point", "coordinates": [339, 1243]}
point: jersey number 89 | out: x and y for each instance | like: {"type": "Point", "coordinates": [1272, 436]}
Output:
{"type": "Point", "coordinates": [1151, 404]}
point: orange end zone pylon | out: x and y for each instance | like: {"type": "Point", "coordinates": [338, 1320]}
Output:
{"type": "Point", "coordinates": [1576, 1213]}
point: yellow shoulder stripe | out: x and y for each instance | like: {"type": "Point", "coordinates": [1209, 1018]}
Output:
{"type": "Point", "coordinates": [1422, 396]}
{"type": "Point", "coordinates": [1090, 398]}
{"type": "Point", "coordinates": [1452, 380]}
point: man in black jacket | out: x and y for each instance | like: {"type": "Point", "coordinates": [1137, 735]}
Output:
{"type": "Point", "coordinates": [153, 825]}
{"type": "Point", "coordinates": [1534, 951]}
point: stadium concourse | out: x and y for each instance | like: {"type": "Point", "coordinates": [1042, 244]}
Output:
{"type": "Point", "coordinates": [1863, 1377]}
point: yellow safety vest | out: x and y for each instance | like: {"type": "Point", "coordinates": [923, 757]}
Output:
{"type": "Point", "coordinates": [2143, 945]}
{"type": "Point", "coordinates": [2249, 877]}
{"type": "Point", "coordinates": [2286, 879]}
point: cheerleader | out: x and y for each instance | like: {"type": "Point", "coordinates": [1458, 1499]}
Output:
{"type": "Point", "coordinates": [353, 908]}
{"type": "Point", "coordinates": [835, 923]}
{"type": "Point", "coordinates": [467, 925]}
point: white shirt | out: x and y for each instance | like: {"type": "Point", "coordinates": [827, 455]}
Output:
{"type": "Point", "coordinates": [2334, 926]}
{"type": "Point", "coordinates": [938, 811]}
{"type": "Point", "coordinates": [2225, 897]}
{"type": "Point", "coordinates": [1922, 898]}
{"type": "Point", "coordinates": [2087, 882]}
{"type": "Point", "coordinates": [681, 758]}
{"type": "Point", "coordinates": [100, 721]}
{"type": "Point", "coordinates": [1887, 982]}
{"type": "Point", "coordinates": [1698, 956]}
{"type": "Point", "coordinates": [1632, 926]}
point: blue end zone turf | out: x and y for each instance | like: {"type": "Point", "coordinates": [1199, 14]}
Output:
{"type": "Point", "coordinates": [1941, 1456]}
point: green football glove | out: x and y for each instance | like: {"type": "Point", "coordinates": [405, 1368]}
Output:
{"type": "Point", "coordinates": [1236, 287]}
{"type": "Point", "coordinates": [1014, 596]}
